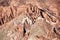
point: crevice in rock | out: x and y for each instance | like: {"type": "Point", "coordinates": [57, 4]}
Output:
{"type": "Point", "coordinates": [0, 22]}
{"type": "Point", "coordinates": [24, 30]}
{"type": "Point", "coordinates": [37, 36]}
{"type": "Point", "coordinates": [41, 13]}
{"type": "Point", "coordinates": [54, 30]}
{"type": "Point", "coordinates": [57, 31]}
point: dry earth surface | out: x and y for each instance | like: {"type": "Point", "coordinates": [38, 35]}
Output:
{"type": "Point", "coordinates": [29, 19]}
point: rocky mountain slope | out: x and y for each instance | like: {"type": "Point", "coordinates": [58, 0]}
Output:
{"type": "Point", "coordinates": [29, 20]}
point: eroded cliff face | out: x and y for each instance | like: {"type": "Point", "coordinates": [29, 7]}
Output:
{"type": "Point", "coordinates": [29, 20]}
